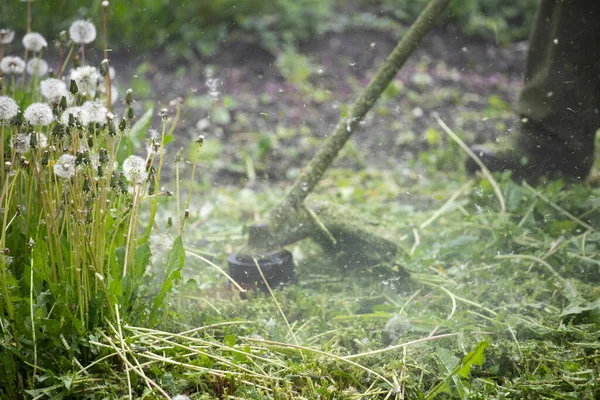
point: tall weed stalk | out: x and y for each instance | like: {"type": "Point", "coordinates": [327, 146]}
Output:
{"type": "Point", "coordinates": [71, 203]}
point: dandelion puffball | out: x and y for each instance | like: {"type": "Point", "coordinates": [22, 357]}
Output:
{"type": "Point", "coordinates": [37, 67]}
{"type": "Point", "coordinates": [134, 169]}
{"type": "Point", "coordinates": [22, 141]}
{"type": "Point", "coordinates": [39, 114]}
{"type": "Point", "coordinates": [8, 108]}
{"type": "Point", "coordinates": [65, 166]}
{"type": "Point", "coordinates": [12, 65]}
{"type": "Point", "coordinates": [33, 41]}
{"type": "Point", "coordinates": [53, 89]}
{"type": "Point", "coordinates": [82, 32]}
{"type": "Point", "coordinates": [6, 36]}
{"type": "Point", "coordinates": [77, 113]}
{"type": "Point", "coordinates": [94, 111]}
{"type": "Point", "coordinates": [86, 78]}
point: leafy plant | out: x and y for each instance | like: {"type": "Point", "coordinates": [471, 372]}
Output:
{"type": "Point", "coordinates": [73, 201]}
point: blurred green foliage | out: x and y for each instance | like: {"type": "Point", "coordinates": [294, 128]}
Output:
{"type": "Point", "coordinates": [501, 20]}
{"type": "Point", "coordinates": [187, 28]}
{"type": "Point", "coordinates": [183, 28]}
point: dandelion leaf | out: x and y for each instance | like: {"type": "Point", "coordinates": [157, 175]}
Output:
{"type": "Point", "coordinates": [142, 258]}
{"type": "Point", "coordinates": [582, 312]}
{"type": "Point", "coordinates": [139, 129]}
{"type": "Point", "coordinates": [135, 137]}
{"type": "Point", "coordinates": [475, 357]}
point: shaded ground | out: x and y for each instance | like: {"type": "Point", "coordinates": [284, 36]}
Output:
{"type": "Point", "coordinates": [260, 122]}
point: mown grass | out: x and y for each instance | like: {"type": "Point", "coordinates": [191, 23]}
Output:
{"type": "Point", "coordinates": [517, 290]}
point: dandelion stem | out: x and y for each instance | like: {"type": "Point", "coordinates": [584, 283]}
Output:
{"type": "Point", "coordinates": [178, 197]}
{"type": "Point", "coordinates": [65, 61]}
{"type": "Point", "coordinates": [7, 193]}
{"type": "Point", "coordinates": [131, 230]}
{"type": "Point", "coordinates": [107, 82]}
{"type": "Point", "coordinates": [189, 197]}
{"type": "Point", "coordinates": [2, 127]}
{"type": "Point", "coordinates": [32, 314]}
{"type": "Point", "coordinates": [28, 16]}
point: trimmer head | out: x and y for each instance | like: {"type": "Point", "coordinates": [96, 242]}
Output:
{"type": "Point", "coordinates": [277, 267]}
{"type": "Point", "coordinates": [276, 264]}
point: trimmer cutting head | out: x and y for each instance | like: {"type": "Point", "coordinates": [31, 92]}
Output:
{"type": "Point", "coordinates": [277, 268]}
{"type": "Point", "coordinates": [277, 265]}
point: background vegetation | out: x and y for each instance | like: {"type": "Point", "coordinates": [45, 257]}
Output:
{"type": "Point", "coordinates": [190, 28]}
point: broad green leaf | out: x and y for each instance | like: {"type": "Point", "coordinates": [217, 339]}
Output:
{"type": "Point", "coordinates": [475, 357]}
{"type": "Point", "coordinates": [577, 308]}
{"type": "Point", "coordinates": [139, 129]}
{"type": "Point", "coordinates": [135, 137]}
{"type": "Point", "coordinates": [142, 259]}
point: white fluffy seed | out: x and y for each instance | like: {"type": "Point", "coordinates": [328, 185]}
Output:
{"type": "Point", "coordinates": [39, 114]}
{"type": "Point", "coordinates": [82, 32]}
{"type": "Point", "coordinates": [35, 42]}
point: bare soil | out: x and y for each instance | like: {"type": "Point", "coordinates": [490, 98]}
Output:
{"type": "Point", "coordinates": [471, 84]}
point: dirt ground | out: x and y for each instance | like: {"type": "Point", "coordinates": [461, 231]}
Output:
{"type": "Point", "coordinates": [471, 84]}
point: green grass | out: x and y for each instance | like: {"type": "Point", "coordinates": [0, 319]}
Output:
{"type": "Point", "coordinates": [483, 303]}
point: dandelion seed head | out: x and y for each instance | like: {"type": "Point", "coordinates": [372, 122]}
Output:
{"type": "Point", "coordinates": [53, 89]}
{"type": "Point", "coordinates": [86, 78]}
{"type": "Point", "coordinates": [153, 134]}
{"type": "Point", "coordinates": [6, 36]}
{"type": "Point", "coordinates": [12, 65]}
{"type": "Point", "coordinates": [75, 111]}
{"type": "Point", "coordinates": [134, 169]}
{"type": "Point", "coordinates": [33, 41]}
{"type": "Point", "coordinates": [155, 149]}
{"type": "Point", "coordinates": [20, 143]}
{"type": "Point", "coordinates": [94, 111]}
{"type": "Point", "coordinates": [39, 114]}
{"type": "Point", "coordinates": [181, 397]}
{"type": "Point", "coordinates": [82, 32]}
{"type": "Point", "coordinates": [65, 166]}
{"type": "Point", "coordinates": [96, 162]}
{"type": "Point", "coordinates": [42, 140]}
{"type": "Point", "coordinates": [37, 67]}
{"type": "Point", "coordinates": [8, 108]}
